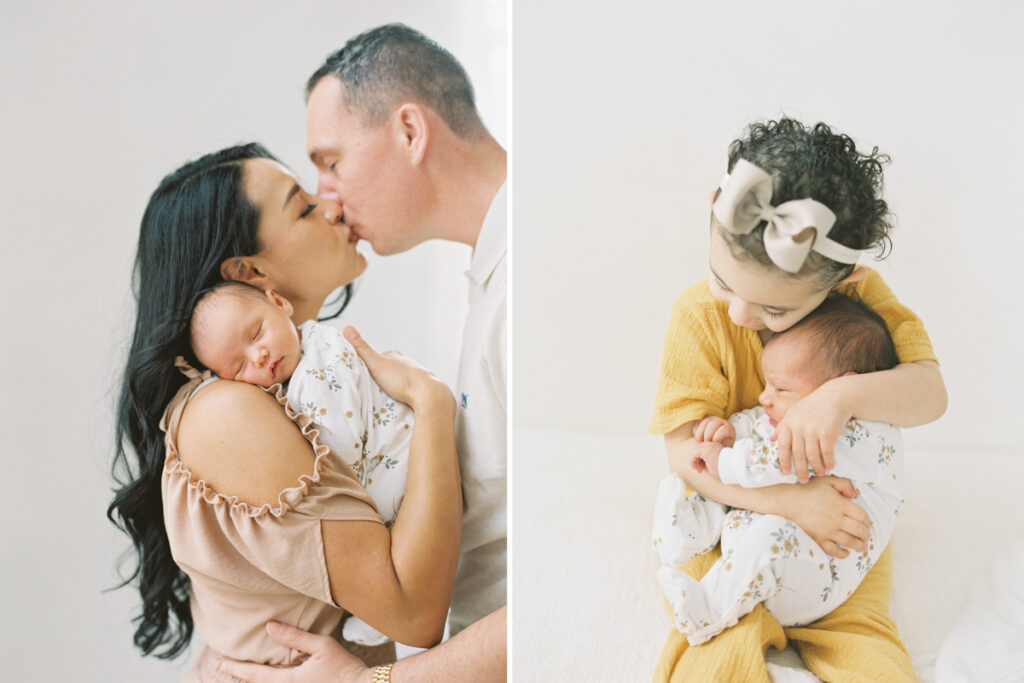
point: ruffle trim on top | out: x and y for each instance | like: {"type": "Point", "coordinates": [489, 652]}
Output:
{"type": "Point", "coordinates": [286, 500]}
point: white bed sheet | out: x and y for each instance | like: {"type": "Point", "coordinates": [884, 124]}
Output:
{"type": "Point", "coordinates": [586, 604]}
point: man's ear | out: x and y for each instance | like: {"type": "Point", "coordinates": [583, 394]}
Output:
{"type": "Point", "coordinates": [279, 301]}
{"type": "Point", "coordinates": [413, 129]}
{"type": "Point", "coordinates": [858, 274]}
{"type": "Point", "coordinates": [243, 269]}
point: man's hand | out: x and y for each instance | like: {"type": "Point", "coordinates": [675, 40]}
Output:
{"type": "Point", "coordinates": [716, 430]}
{"type": "Point", "coordinates": [807, 435]}
{"type": "Point", "coordinates": [329, 661]}
{"type": "Point", "coordinates": [705, 458]}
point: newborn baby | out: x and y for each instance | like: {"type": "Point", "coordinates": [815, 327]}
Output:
{"type": "Point", "coordinates": [767, 558]}
{"type": "Point", "coordinates": [246, 334]}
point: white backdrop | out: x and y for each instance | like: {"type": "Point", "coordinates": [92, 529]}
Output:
{"type": "Point", "coordinates": [100, 100]}
{"type": "Point", "coordinates": [623, 114]}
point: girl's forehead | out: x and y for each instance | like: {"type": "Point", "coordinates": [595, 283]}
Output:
{"type": "Point", "coordinates": [756, 283]}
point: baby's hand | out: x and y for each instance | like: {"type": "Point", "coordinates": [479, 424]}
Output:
{"type": "Point", "coordinates": [705, 457]}
{"type": "Point", "coordinates": [807, 435]}
{"type": "Point", "coordinates": [716, 430]}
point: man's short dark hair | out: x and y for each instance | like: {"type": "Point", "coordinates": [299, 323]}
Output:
{"type": "Point", "coordinates": [387, 65]}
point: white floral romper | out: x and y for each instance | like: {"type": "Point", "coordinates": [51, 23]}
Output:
{"type": "Point", "coordinates": [767, 558]}
{"type": "Point", "coordinates": [367, 428]}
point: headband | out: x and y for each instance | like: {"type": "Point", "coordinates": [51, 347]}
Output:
{"type": "Point", "coordinates": [745, 201]}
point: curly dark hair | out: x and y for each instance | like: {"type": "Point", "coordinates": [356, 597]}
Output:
{"type": "Point", "coordinates": [825, 165]}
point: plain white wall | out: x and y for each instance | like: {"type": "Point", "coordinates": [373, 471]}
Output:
{"type": "Point", "coordinates": [623, 114]}
{"type": "Point", "coordinates": [100, 100]}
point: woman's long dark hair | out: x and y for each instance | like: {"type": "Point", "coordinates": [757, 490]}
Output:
{"type": "Point", "coordinates": [196, 218]}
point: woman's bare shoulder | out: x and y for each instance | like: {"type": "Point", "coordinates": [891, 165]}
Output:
{"type": "Point", "coordinates": [237, 438]}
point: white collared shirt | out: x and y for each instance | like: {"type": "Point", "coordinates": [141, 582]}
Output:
{"type": "Point", "coordinates": [481, 426]}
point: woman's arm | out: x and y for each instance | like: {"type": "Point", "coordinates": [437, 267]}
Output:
{"type": "Point", "coordinates": [237, 438]}
{"type": "Point", "coordinates": [821, 508]}
{"type": "Point", "coordinates": [909, 395]}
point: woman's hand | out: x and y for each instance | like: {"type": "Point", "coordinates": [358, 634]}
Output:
{"type": "Point", "coordinates": [399, 376]}
{"type": "Point", "coordinates": [329, 661]}
{"type": "Point", "coordinates": [807, 435]}
{"type": "Point", "coordinates": [823, 510]}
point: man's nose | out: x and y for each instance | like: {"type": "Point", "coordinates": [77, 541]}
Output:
{"type": "Point", "coordinates": [327, 187]}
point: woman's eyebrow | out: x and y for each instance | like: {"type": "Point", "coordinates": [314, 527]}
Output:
{"type": "Point", "coordinates": [291, 193]}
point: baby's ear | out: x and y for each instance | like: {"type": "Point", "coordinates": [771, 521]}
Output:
{"type": "Point", "coordinates": [279, 301]}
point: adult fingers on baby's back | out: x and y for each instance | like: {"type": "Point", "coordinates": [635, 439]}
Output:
{"type": "Point", "coordinates": [362, 347]}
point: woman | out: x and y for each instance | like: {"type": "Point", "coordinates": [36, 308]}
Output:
{"type": "Point", "coordinates": [263, 521]}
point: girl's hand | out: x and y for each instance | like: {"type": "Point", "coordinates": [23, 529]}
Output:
{"type": "Point", "coordinates": [823, 510]}
{"type": "Point", "coordinates": [807, 435]}
{"type": "Point", "coordinates": [400, 377]}
{"type": "Point", "coordinates": [715, 429]}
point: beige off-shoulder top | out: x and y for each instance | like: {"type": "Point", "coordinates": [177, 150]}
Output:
{"type": "Point", "coordinates": [250, 564]}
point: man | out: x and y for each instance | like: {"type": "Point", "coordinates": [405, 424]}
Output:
{"type": "Point", "coordinates": [394, 133]}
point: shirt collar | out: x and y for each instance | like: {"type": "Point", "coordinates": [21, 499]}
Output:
{"type": "Point", "coordinates": [490, 243]}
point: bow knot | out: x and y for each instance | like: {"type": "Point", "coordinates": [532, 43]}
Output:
{"type": "Point", "coordinates": [794, 228]}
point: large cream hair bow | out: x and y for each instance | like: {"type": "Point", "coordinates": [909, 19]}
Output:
{"type": "Point", "coordinates": [794, 229]}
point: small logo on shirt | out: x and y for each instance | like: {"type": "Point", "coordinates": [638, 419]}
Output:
{"type": "Point", "coordinates": [465, 402]}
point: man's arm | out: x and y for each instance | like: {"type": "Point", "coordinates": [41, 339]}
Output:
{"type": "Point", "coordinates": [477, 653]}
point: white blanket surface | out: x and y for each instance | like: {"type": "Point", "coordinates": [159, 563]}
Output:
{"type": "Point", "coordinates": [586, 604]}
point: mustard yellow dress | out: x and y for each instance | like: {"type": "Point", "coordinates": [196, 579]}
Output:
{"type": "Point", "coordinates": [710, 366]}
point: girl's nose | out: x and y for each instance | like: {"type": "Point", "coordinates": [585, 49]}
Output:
{"type": "Point", "coordinates": [739, 311]}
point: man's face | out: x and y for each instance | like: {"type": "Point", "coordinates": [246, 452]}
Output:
{"type": "Point", "coordinates": [364, 168]}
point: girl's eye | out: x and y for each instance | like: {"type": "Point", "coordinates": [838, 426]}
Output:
{"type": "Point", "coordinates": [308, 210]}
{"type": "Point", "coordinates": [718, 283]}
{"type": "Point", "coordinates": [774, 314]}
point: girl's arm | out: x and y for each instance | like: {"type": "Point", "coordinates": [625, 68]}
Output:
{"type": "Point", "coordinates": [821, 508]}
{"type": "Point", "coordinates": [237, 438]}
{"type": "Point", "coordinates": [909, 395]}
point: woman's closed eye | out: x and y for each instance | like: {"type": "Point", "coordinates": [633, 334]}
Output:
{"type": "Point", "coordinates": [308, 210]}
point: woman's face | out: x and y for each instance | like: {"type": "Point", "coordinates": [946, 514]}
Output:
{"type": "Point", "coordinates": [307, 252]}
{"type": "Point", "coordinates": [760, 297]}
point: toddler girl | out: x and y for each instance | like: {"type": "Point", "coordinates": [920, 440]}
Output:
{"type": "Point", "coordinates": [767, 558]}
{"type": "Point", "coordinates": [242, 333]}
{"type": "Point", "coordinates": [796, 210]}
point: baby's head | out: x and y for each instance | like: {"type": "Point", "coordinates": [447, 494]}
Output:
{"type": "Point", "coordinates": [842, 336]}
{"type": "Point", "coordinates": [823, 199]}
{"type": "Point", "coordinates": [244, 333]}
